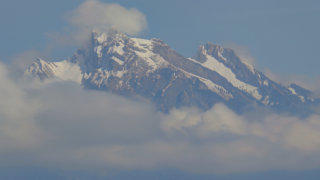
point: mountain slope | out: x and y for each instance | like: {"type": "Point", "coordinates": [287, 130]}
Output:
{"type": "Point", "coordinates": [63, 70]}
{"type": "Point", "coordinates": [150, 68]}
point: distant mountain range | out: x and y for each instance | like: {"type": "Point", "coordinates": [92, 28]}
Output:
{"type": "Point", "coordinates": [132, 67]}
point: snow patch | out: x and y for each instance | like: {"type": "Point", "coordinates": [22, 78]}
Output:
{"type": "Point", "coordinates": [227, 73]}
{"type": "Point", "coordinates": [102, 37]}
{"type": "Point", "coordinates": [117, 49]}
{"type": "Point", "coordinates": [117, 60]}
{"type": "Point", "coordinates": [266, 100]}
{"type": "Point", "coordinates": [302, 99]}
{"type": "Point", "coordinates": [98, 50]}
{"type": "Point", "coordinates": [292, 91]}
{"type": "Point", "coordinates": [145, 51]}
{"type": "Point", "coordinates": [216, 88]}
{"type": "Point", "coordinates": [215, 65]}
{"type": "Point", "coordinates": [210, 85]}
{"type": "Point", "coordinates": [221, 56]}
{"type": "Point", "coordinates": [102, 76]}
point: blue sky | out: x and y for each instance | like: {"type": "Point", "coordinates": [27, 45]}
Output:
{"type": "Point", "coordinates": [281, 35]}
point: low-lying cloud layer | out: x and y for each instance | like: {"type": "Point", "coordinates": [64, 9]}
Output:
{"type": "Point", "coordinates": [61, 125]}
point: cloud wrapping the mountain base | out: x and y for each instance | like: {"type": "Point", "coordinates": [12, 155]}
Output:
{"type": "Point", "coordinates": [61, 125]}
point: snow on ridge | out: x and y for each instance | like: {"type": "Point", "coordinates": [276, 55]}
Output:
{"type": "Point", "coordinates": [116, 43]}
{"type": "Point", "coordinates": [100, 37]}
{"type": "Point", "coordinates": [142, 42]}
{"type": "Point", "coordinates": [101, 75]}
{"type": "Point", "coordinates": [106, 74]}
{"type": "Point", "coordinates": [217, 66]}
{"type": "Point", "coordinates": [221, 56]}
{"type": "Point", "coordinates": [216, 88]}
{"type": "Point", "coordinates": [293, 91]}
{"type": "Point", "coordinates": [117, 49]}
{"type": "Point", "coordinates": [227, 73]}
{"type": "Point", "coordinates": [143, 48]}
{"type": "Point", "coordinates": [101, 40]}
{"type": "Point", "coordinates": [210, 85]}
{"type": "Point", "coordinates": [98, 50]}
{"type": "Point", "coordinates": [120, 62]}
{"type": "Point", "coordinates": [302, 98]}
{"type": "Point", "coordinates": [145, 51]}
{"type": "Point", "coordinates": [266, 100]}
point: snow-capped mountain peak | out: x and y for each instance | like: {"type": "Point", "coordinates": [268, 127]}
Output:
{"type": "Point", "coordinates": [130, 66]}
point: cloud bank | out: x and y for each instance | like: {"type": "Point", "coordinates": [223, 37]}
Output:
{"type": "Point", "coordinates": [61, 125]}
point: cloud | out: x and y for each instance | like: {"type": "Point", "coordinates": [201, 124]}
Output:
{"type": "Point", "coordinates": [17, 123]}
{"type": "Point", "coordinates": [95, 15]}
{"type": "Point", "coordinates": [61, 125]}
{"type": "Point", "coordinates": [238, 143]}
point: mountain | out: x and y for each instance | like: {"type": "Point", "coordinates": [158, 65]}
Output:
{"type": "Point", "coordinates": [131, 67]}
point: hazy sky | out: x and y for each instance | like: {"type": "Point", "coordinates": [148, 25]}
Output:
{"type": "Point", "coordinates": [281, 35]}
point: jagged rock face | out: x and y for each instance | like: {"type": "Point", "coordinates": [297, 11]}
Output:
{"type": "Point", "coordinates": [62, 70]}
{"type": "Point", "coordinates": [41, 69]}
{"type": "Point", "coordinates": [150, 68]}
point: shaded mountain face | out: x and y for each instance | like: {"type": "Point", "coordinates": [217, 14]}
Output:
{"type": "Point", "coordinates": [134, 67]}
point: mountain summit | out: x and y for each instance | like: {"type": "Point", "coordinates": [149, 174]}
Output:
{"type": "Point", "coordinates": [129, 66]}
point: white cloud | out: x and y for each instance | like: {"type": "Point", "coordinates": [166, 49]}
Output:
{"type": "Point", "coordinates": [95, 15]}
{"type": "Point", "coordinates": [61, 125]}
{"type": "Point", "coordinates": [238, 143]}
{"type": "Point", "coordinates": [17, 123]}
